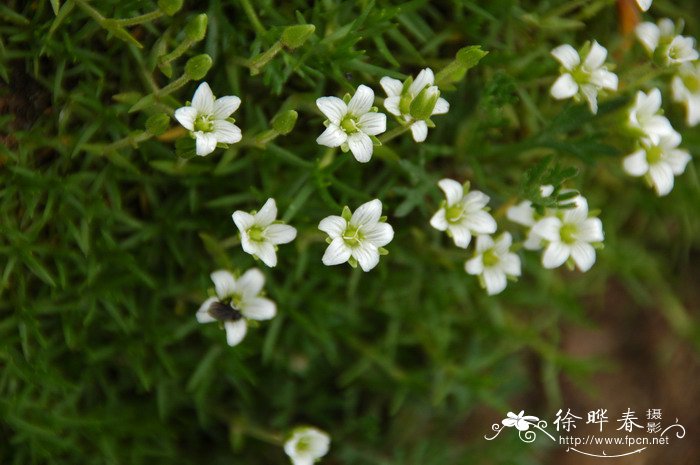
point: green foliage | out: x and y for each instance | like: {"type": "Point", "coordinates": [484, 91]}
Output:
{"type": "Point", "coordinates": [109, 231]}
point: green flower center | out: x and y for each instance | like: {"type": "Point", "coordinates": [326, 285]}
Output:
{"type": "Point", "coordinates": [349, 124]}
{"type": "Point", "coordinates": [454, 213]}
{"type": "Point", "coordinates": [490, 258]}
{"type": "Point", "coordinates": [256, 233]}
{"type": "Point", "coordinates": [202, 123]}
{"type": "Point", "coordinates": [303, 445]}
{"type": "Point", "coordinates": [581, 75]}
{"type": "Point", "coordinates": [353, 236]}
{"type": "Point", "coordinates": [654, 154]}
{"type": "Point", "coordinates": [568, 233]}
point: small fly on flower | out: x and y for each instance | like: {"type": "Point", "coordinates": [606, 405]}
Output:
{"type": "Point", "coordinates": [223, 312]}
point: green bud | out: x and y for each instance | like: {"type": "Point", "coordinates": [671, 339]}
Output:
{"type": "Point", "coordinates": [170, 7]}
{"type": "Point", "coordinates": [197, 67]}
{"type": "Point", "coordinates": [295, 36]}
{"type": "Point", "coordinates": [424, 103]}
{"type": "Point", "coordinates": [196, 29]}
{"type": "Point", "coordinates": [284, 122]}
{"type": "Point", "coordinates": [157, 124]}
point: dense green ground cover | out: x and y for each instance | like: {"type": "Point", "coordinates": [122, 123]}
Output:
{"type": "Point", "coordinates": [106, 247]}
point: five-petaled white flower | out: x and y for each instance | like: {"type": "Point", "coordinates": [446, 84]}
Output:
{"type": "Point", "coordinates": [644, 116]}
{"type": "Point", "coordinates": [583, 78]}
{"type": "Point", "coordinates": [306, 445]}
{"type": "Point", "coordinates": [521, 421]}
{"type": "Point", "coordinates": [357, 238]}
{"type": "Point", "coordinates": [462, 214]}
{"type": "Point", "coordinates": [666, 47]}
{"type": "Point", "coordinates": [493, 262]}
{"type": "Point", "coordinates": [659, 162]}
{"type": "Point", "coordinates": [686, 90]}
{"type": "Point", "coordinates": [352, 125]}
{"type": "Point", "coordinates": [261, 233]}
{"type": "Point", "coordinates": [415, 101]}
{"type": "Point", "coordinates": [237, 300]}
{"type": "Point", "coordinates": [208, 119]}
{"type": "Point", "coordinates": [569, 234]}
{"type": "Point", "coordinates": [644, 5]}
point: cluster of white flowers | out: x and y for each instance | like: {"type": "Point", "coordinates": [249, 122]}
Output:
{"type": "Point", "coordinates": [665, 45]}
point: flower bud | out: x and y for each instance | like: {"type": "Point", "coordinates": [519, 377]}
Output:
{"type": "Point", "coordinates": [196, 29]}
{"type": "Point", "coordinates": [197, 67]}
{"type": "Point", "coordinates": [157, 124]}
{"type": "Point", "coordinates": [170, 7]}
{"type": "Point", "coordinates": [284, 122]}
{"type": "Point", "coordinates": [295, 36]}
{"type": "Point", "coordinates": [424, 103]}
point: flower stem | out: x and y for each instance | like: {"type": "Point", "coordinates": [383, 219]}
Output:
{"type": "Point", "coordinates": [253, 17]}
{"type": "Point", "coordinates": [261, 60]}
{"type": "Point", "coordinates": [397, 131]}
{"type": "Point", "coordinates": [144, 18]}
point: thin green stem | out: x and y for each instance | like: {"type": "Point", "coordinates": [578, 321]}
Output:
{"type": "Point", "coordinates": [173, 86]}
{"type": "Point", "coordinates": [144, 18]}
{"type": "Point", "coordinates": [96, 15]}
{"type": "Point", "coordinates": [397, 131]}
{"type": "Point", "coordinates": [176, 52]}
{"type": "Point", "coordinates": [264, 58]}
{"type": "Point", "coordinates": [253, 17]}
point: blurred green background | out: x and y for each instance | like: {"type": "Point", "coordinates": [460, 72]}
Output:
{"type": "Point", "coordinates": [105, 251]}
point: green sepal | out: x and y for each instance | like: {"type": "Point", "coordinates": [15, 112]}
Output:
{"type": "Point", "coordinates": [352, 261]}
{"type": "Point", "coordinates": [346, 214]}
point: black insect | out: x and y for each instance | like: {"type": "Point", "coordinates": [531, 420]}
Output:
{"type": "Point", "coordinates": [223, 312]}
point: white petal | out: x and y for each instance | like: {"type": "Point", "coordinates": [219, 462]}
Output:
{"type": "Point", "coordinates": [442, 106]}
{"type": "Point", "coordinates": [480, 222]}
{"type": "Point", "coordinates": [590, 230]}
{"type": "Point", "coordinates": [337, 252]}
{"type": "Point", "coordinates": [438, 221]}
{"type": "Point", "coordinates": [555, 255]}
{"type": "Point", "coordinates": [510, 264]}
{"type": "Point", "coordinates": [333, 225]}
{"type": "Point", "coordinates": [250, 283]}
{"type": "Point", "coordinates": [454, 191]}
{"type": "Point", "coordinates": [636, 163]}
{"type": "Point", "coordinates": [203, 315]}
{"type": "Point", "coordinates": [333, 108]}
{"type": "Point", "coordinates": [679, 92]}
{"type": "Point", "coordinates": [243, 220]}
{"type": "Point", "coordinates": [333, 136]}
{"type": "Point", "coordinates": [564, 87]}
{"type": "Point", "coordinates": [693, 110]}
{"type": "Point", "coordinates": [206, 143]}
{"type": "Point", "coordinates": [649, 35]}
{"type": "Point", "coordinates": [546, 190]}
{"type": "Point", "coordinates": [203, 99]}
{"type": "Point", "coordinates": [267, 214]}
{"type": "Point", "coordinates": [567, 56]}
{"type": "Point", "coordinates": [259, 308]}
{"type": "Point", "coordinates": [373, 124]}
{"type": "Point", "coordinates": [503, 243]}
{"type": "Point", "coordinates": [186, 116]}
{"type": "Point", "coordinates": [226, 132]}
{"type": "Point", "coordinates": [667, 28]}
{"type": "Point", "coordinates": [461, 235]}
{"type": "Point", "coordinates": [661, 177]}
{"type": "Point", "coordinates": [648, 104]}
{"type": "Point", "coordinates": [522, 213]}
{"type": "Point", "coordinates": [596, 56]}
{"type": "Point", "coordinates": [495, 281]}
{"type": "Point", "coordinates": [362, 101]}
{"type": "Point", "coordinates": [392, 87]}
{"type": "Point", "coordinates": [605, 79]}
{"type": "Point", "coordinates": [548, 228]}
{"type": "Point", "coordinates": [591, 94]}
{"type": "Point", "coordinates": [361, 146]}
{"type": "Point", "coordinates": [644, 5]}
{"type": "Point", "coordinates": [578, 214]}
{"type": "Point", "coordinates": [532, 241]}
{"type": "Point", "coordinates": [657, 126]}
{"type": "Point", "coordinates": [379, 234]}
{"type": "Point", "coordinates": [280, 233]}
{"type": "Point", "coordinates": [677, 160]}
{"type": "Point", "coordinates": [392, 105]}
{"type": "Point", "coordinates": [225, 106]}
{"type": "Point", "coordinates": [475, 200]}
{"type": "Point", "coordinates": [224, 282]}
{"type": "Point", "coordinates": [367, 255]}
{"type": "Point", "coordinates": [583, 255]}
{"type": "Point", "coordinates": [367, 214]}
{"type": "Point", "coordinates": [235, 331]}
{"type": "Point", "coordinates": [424, 78]}
{"type": "Point", "coordinates": [475, 265]}
{"type": "Point", "coordinates": [265, 251]}
{"type": "Point", "coordinates": [483, 243]}
{"type": "Point", "coordinates": [419, 129]}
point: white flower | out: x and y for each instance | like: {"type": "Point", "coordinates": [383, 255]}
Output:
{"type": "Point", "coordinates": [357, 238]}
{"type": "Point", "coordinates": [644, 116]}
{"type": "Point", "coordinates": [661, 41]}
{"type": "Point", "coordinates": [585, 78]}
{"type": "Point", "coordinates": [521, 421]}
{"type": "Point", "coordinates": [306, 445]}
{"type": "Point", "coordinates": [658, 163]}
{"type": "Point", "coordinates": [208, 119]}
{"type": "Point", "coordinates": [493, 262]}
{"type": "Point", "coordinates": [569, 234]}
{"type": "Point", "coordinates": [462, 214]}
{"type": "Point", "coordinates": [524, 214]}
{"type": "Point", "coordinates": [686, 89]}
{"type": "Point", "coordinates": [349, 126]}
{"type": "Point", "coordinates": [415, 101]}
{"type": "Point", "coordinates": [644, 5]}
{"type": "Point", "coordinates": [237, 300]}
{"type": "Point", "coordinates": [261, 233]}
